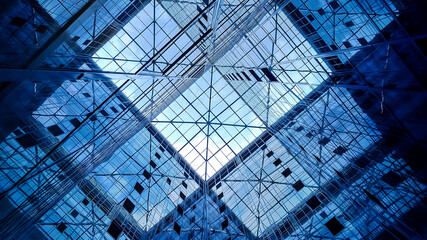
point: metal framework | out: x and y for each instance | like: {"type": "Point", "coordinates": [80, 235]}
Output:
{"type": "Point", "coordinates": [213, 119]}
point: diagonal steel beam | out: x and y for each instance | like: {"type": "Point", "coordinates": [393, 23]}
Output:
{"type": "Point", "coordinates": [326, 192]}
{"type": "Point", "coordinates": [59, 75]}
{"type": "Point", "coordinates": [34, 233]}
{"type": "Point", "coordinates": [63, 33]}
{"type": "Point", "coordinates": [87, 186]}
{"type": "Point", "coordinates": [290, 115]}
{"type": "Point", "coordinates": [234, 39]}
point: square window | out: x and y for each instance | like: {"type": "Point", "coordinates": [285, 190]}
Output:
{"type": "Point", "coordinates": [42, 28]}
{"type": "Point", "coordinates": [349, 24]}
{"type": "Point", "coordinates": [180, 210]}
{"type": "Point", "coordinates": [220, 196]}
{"type": "Point", "coordinates": [334, 4]}
{"type": "Point", "coordinates": [324, 141]}
{"type": "Point", "coordinates": [75, 122]}
{"type": "Point", "coordinates": [55, 130]}
{"type": "Point", "coordinates": [372, 197]}
{"type": "Point", "coordinates": [224, 224]}
{"type": "Point", "coordinates": [168, 219]}
{"type": "Point", "coordinates": [138, 187]}
{"type": "Point", "coordinates": [317, 158]}
{"type": "Point", "coordinates": [332, 187]}
{"type": "Point", "coordinates": [253, 73]}
{"type": "Point", "coordinates": [146, 174]}
{"type": "Point", "coordinates": [115, 229]}
{"type": "Point", "coordinates": [393, 179]}
{"type": "Point", "coordinates": [104, 113]}
{"type": "Point", "coordinates": [313, 202]}
{"type": "Point", "coordinates": [177, 228]}
{"type": "Point", "coordinates": [323, 215]}
{"type": "Point", "coordinates": [267, 72]}
{"type": "Point", "coordinates": [153, 164]}
{"type": "Point", "coordinates": [298, 185]}
{"type": "Point", "coordinates": [362, 41]}
{"type": "Point", "coordinates": [18, 132]}
{"type": "Point", "coordinates": [246, 76]}
{"type": "Point", "coordinates": [85, 202]}
{"type": "Point", "coordinates": [18, 21]}
{"type": "Point", "coordinates": [321, 12]}
{"type": "Point", "coordinates": [347, 44]}
{"type": "Point", "coordinates": [362, 162]}
{"type": "Point", "coordinates": [277, 162]}
{"type": "Point", "coordinates": [61, 227]}
{"type": "Point", "coordinates": [286, 172]}
{"type": "Point", "coordinates": [340, 150]}
{"type": "Point", "coordinates": [334, 226]}
{"type": "Point", "coordinates": [182, 195]}
{"type": "Point", "coordinates": [302, 214]}
{"type": "Point", "coordinates": [222, 208]}
{"type": "Point", "coordinates": [128, 205]}
{"type": "Point", "coordinates": [114, 109]}
{"type": "Point", "coordinates": [269, 154]}
{"type": "Point", "coordinates": [26, 141]}
{"type": "Point", "coordinates": [340, 175]}
{"type": "Point", "coordinates": [74, 213]}
{"type": "Point", "coordinates": [286, 227]}
{"type": "Point", "coordinates": [75, 38]}
{"type": "Point", "coordinates": [184, 184]}
{"type": "Point", "coordinates": [123, 107]}
{"type": "Point", "coordinates": [169, 181]}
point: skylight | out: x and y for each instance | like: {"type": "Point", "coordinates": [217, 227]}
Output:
{"type": "Point", "coordinates": [230, 105]}
{"type": "Point", "coordinates": [268, 119]}
{"type": "Point", "coordinates": [209, 124]}
{"type": "Point", "coordinates": [260, 79]}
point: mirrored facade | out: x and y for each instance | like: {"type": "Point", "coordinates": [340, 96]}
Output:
{"type": "Point", "coordinates": [213, 119]}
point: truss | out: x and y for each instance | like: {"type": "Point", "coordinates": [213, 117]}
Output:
{"type": "Point", "coordinates": [212, 119]}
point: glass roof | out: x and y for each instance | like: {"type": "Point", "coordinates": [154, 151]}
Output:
{"type": "Point", "coordinates": [209, 119]}
{"type": "Point", "coordinates": [210, 122]}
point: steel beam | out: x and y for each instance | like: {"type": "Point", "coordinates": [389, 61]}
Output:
{"type": "Point", "coordinates": [54, 75]}
{"type": "Point", "coordinates": [89, 187]}
{"type": "Point", "coordinates": [63, 33]}
{"type": "Point", "coordinates": [331, 189]}
{"type": "Point", "coordinates": [288, 117]}
{"type": "Point", "coordinates": [6, 206]}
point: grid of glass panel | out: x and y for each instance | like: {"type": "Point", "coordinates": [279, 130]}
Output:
{"type": "Point", "coordinates": [204, 120]}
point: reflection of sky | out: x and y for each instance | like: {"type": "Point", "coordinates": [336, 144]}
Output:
{"type": "Point", "coordinates": [226, 126]}
{"type": "Point", "coordinates": [228, 135]}
{"type": "Point", "coordinates": [228, 130]}
{"type": "Point", "coordinates": [136, 41]}
{"type": "Point", "coordinates": [227, 115]}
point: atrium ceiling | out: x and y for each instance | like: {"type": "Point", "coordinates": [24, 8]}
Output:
{"type": "Point", "coordinates": [213, 119]}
